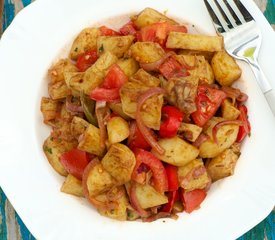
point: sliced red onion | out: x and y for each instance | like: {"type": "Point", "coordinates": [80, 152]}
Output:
{"type": "Point", "coordinates": [200, 140]}
{"type": "Point", "coordinates": [143, 129]}
{"type": "Point", "coordinates": [234, 94]}
{"type": "Point", "coordinates": [73, 107]}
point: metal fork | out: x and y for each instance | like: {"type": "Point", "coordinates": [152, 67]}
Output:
{"type": "Point", "coordinates": [242, 38]}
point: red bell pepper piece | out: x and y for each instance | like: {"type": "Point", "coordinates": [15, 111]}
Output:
{"type": "Point", "coordinates": [245, 129]}
{"type": "Point", "coordinates": [172, 120]}
{"type": "Point", "coordinates": [160, 181]}
{"type": "Point", "coordinates": [128, 29]}
{"type": "Point", "coordinates": [172, 198]}
{"type": "Point", "coordinates": [172, 177]}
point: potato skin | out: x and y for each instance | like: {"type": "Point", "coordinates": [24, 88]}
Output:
{"type": "Point", "coordinates": [117, 45]}
{"type": "Point", "coordinates": [85, 41]}
{"type": "Point", "coordinates": [119, 161]}
{"type": "Point", "coordinates": [225, 68]}
{"type": "Point", "coordinates": [177, 151]}
{"type": "Point", "coordinates": [118, 130]}
{"type": "Point", "coordinates": [226, 136]}
{"type": "Point", "coordinates": [73, 186]}
{"type": "Point", "coordinates": [222, 165]}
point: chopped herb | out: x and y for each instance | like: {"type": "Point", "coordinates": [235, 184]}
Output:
{"type": "Point", "coordinates": [101, 49]}
{"type": "Point", "coordinates": [76, 49]}
{"type": "Point", "coordinates": [49, 150]}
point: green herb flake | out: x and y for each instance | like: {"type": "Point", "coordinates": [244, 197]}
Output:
{"type": "Point", "coordinates": [101, 49]}
{"type": "Point", "coordinates": [47, 149]}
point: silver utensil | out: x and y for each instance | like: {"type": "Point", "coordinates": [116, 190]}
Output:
{"type": "Point", "coordinates": [242, 38]}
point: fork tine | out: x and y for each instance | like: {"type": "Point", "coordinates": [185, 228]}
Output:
{"type": "Point", "coordinates": [227, 13]}
{"type": "Point", "coordinates": [236, 10]}
{"type": "Point", "coordinates": [212, 8]}
{"type": "Point", "coordinates": [247, 16]}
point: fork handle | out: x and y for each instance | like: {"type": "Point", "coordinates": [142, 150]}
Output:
{"type": "Point", "coordinates": [264, 85]}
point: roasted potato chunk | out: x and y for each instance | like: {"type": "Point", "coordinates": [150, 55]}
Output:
{"type": "Point", "coordinates": [96, 179]}
{"type": "Point", "coordinates": [49, 109]}
{"type": "Point", "coordinates": [148, 197]}
{"type": "Point", "coordinates": [85, 41]}
{"type": "Point", "coordinates": [117, 45]}
{"type": "Point", "coordinates": [149, 16]}
{"type": "Point", "coordinates": [229, 111]}
{"type": "Point", "coordinates": [58, 90]}
{"type": "Point", "coordinates": [226, 136]}
{"type": "Point", "coordinates": [78, 126]}
{"type": "Point", "coordinates": [118, 130]}
{"type": "Point", "coordinates": [225, 68]}
{"type": "Point", "coordinates": [193, 176]}
{"type": "Point", "coordinates": [72, 186]}
{"type": "Point", "coordinates": [146, 52]}
{"type": "Point", "coordinates": [189, 131]}
{"type": "Point", "coordinates": [90, 141]}
{"type": "Point", "coordinates": [53, 148]}
{"type": "Point", "coordinates": [194, 42]}
{"type": "Point", "coordinates": [128, 65]}
{"type": "Point", "coordinates": [117, 108]}
{"type": "Point", "coordinates": [145, 78]}
{"type": "Point", "coordinates": [207, 55]}
{"type": "Point", "coordinates": [177, 151]}
{"type": "Point", "coordinates": [119, 161]}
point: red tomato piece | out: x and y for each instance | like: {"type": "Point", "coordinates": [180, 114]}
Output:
{"type": "Point", "coordinates": [172, 68]}
{"type": "Point", "coordinates": [172, 120]}
{"type": "Point", "coordinates": [137, 140]}
{"type": "Point", "coordinates": [246, 128]}
{"type": "Point", "coordinates": [160, 181]}
{"type": "Point", "coordinates": [208, 101]}
{"type": "Point", "coordinates": [172, 177]}
{"type": "Point", "coordinates": [115, 78]}
{"type": "Point", "coordinates": [104, 94]}
{"type": "Point", "coordinates": [105, 31]}
{"type": "Point", "coordinates": [172, 198]}
{"type": "Point", "coordinates": [128, 29]}
{"type": "Point", "coordinates": [191, 200]}
{"type": "Point", "coordinates": [75, 161]}
{"type": "Point", "coordinates": [86, 60]}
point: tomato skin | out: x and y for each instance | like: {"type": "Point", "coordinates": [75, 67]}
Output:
{"type": "Point", "coordinates": [75, 161]}
{"type": "Point", "coordinates": [172, 68]}
{"type": "Point", "coordinates": [105, 31]}
{"type": "Point", "coordinates": [191, 200]}
{"type": "Point", "coordinates": [172, 177]}
{"type": "Point", "coordinates": [246, 128]}
{"type": "Point", "coordinates": [208, 101]}
{"type": "Point", "coordinates": [173, 196]}
{"type": "Point", "coordinates": [104, 94]}
{"type": "Point", "coordinates": [128, 29]}
{"type": "Point", "coordinates": [160, 181]}
{"type": "Point", "coordinates": [172, 120]}
{"type": "Point", "coordinates": [86, 60]}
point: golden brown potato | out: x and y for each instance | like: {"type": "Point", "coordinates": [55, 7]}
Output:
{"type": "Point", "coordinates": [225, 68]}
{"type": "Point", "coordinates": [118, 130]}
{"type": "Point", "coordinates": [146, 52]}
{"type": "Point", "coordinates": [85, 41]}
{"type": "Point", "coordinates": [189, 131]}
{"type": "Point", "coordinates": [148, 197]}
{"type": "Point", "coordinates": [90, 141]}
{"type": "Point", "coordinates": [149, 16]}
{"type": "Point", "coordinates": [194, 42]}
{"type": "Point", "coordinates": [128, 65]}
{"type": "Point", "coordinates": [49, 109]}
{"type": "Point", "coordinates": [53, 148]}
{"type": "Point", "coordinates": [96, 179]}
{"type": "Point", "coordinates": [93, 76]}
{"type": "Point", "coordinates": [177, 151]}
{"type": "Point", "coordinates": [117, 45]}
{"type": "Point", "coordinates": [193, 176]}
{"type": "Point", "coordinates": [117, 108]}
{"type": "Point", "coordinates": [58, 90]}
{"type": "Point", "coordinates": [222, 165]}
{"type": "Point", "coordinates": [119, 161]}
{"type": "Point", "coordinates": [226, 136]}
{"type": "Point", "coordinates": [73, 186]}
{"type": "Point", "coordinates": [207, 55]}
{"type": "Point", "coordinates": [120, 212]}
{"type": "Point", "coordinates": [145, 78]}
{"type": "Point", "coordinates": [229, 111]}
{"type": "Point", "coordinates": [78, 126]}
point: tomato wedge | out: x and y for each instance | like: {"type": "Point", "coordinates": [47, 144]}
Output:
{"type": "Point", "coordinates": [171, 68]}
{"type": "Point", "coordinates": [172, 120]}
{"type": "Point", "coordinates": [172, 177]}
{"type": "Point", "coordinates": [245, 129]}
{"type": "Point", "coordinates": [75, 161]}
{"type": "Point", "coordinates": [208, 101]}
{"type": "Point", "coordinates": [192, 200]}
{"type": "Point", "coordinates": [128, 29]}
{"type": "Point", "coordinates": [104, 94]}
{"type": "Point", "coordinates": [105, 31]}
{"type": "Point", "coordinates": [172, 198]}
{"type": "Point", "coordinates": [160, 181]}
{"type": "Point", "coordinates": [86, 60]}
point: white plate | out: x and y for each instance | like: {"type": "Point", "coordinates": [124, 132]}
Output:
{"type": "Point", "coordinates": [39, 35]}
